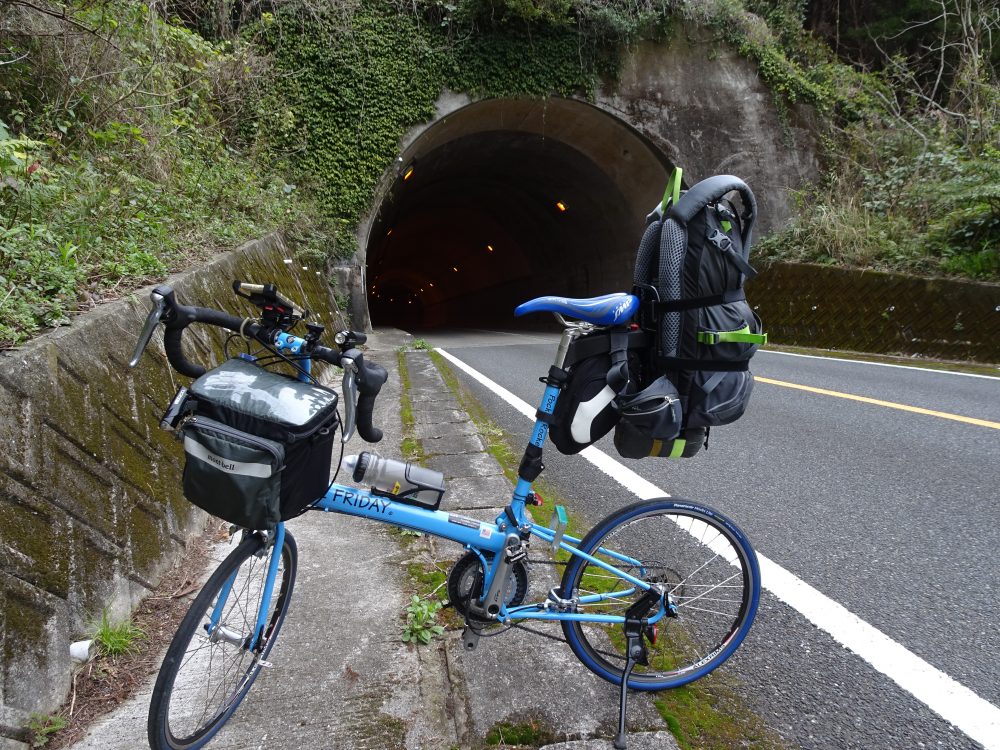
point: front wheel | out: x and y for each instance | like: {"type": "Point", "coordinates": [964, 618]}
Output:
{"type": "Point", "coordinates": [702, 561]}
{"type": "Point", "coordinates": [209, 669]}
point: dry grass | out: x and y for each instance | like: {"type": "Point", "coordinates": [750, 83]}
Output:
{"type": "Point", "coordinates": [106, 682]}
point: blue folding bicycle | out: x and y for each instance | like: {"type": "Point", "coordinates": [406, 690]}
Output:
{"type": "Point", "coordinates": [657, 594]}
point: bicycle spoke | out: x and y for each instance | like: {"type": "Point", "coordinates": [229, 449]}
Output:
{"type": "Point", "coordinates": [693, 556]}
{"type": "Point", "coordinates": [699, 596]}
{"type": "Point", "coordinates": [211, 673]}
{"type": "Point", "coordinates": [710, 611]}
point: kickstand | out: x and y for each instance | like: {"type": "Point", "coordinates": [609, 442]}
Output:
{"type": "Point", "coordinates": [636, 655]}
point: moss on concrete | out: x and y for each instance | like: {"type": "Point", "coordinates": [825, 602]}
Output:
{"type": "Point", "coordinates": [35, 537]}
{"type": "Point", "coordinates": [100, 496]}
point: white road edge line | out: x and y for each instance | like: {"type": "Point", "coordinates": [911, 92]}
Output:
{"type": "Point", "coordinates": [974, 716]}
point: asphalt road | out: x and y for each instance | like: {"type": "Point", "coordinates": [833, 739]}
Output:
{"type": "Point", "coordinates": [892, 514]}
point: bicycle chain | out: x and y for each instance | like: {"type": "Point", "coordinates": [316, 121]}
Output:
{"type": "Point", "coordinates": [525, 628]}
{"type": "Point", "coordinates": [545, 561]}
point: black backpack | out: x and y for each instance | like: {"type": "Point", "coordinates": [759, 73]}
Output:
{"type": "Point", "coordinates": [689, 274]}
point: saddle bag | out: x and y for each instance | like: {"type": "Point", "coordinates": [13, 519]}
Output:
{"type": "Point", "coordinates": [599, 371]}
{"type": "Point", "coordinates": [690, 270]}
{"type": "Point", "coordinates": [257, 444]}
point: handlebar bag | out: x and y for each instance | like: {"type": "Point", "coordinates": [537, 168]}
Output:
{"type": "Point", "coordinates": [258, 448]}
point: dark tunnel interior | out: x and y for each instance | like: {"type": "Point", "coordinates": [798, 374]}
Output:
{"type": "Point", "coordinates": [488, 219]}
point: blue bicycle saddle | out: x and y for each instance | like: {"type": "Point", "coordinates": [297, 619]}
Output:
{"type": "Point", "coordinates": [606, 310]}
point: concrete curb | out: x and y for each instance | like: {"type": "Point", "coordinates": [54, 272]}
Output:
{"type": "Point", "coordinates": [519, 678]}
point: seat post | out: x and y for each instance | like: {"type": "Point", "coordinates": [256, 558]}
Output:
{"type": "Point", "coordinates": [572, 330]}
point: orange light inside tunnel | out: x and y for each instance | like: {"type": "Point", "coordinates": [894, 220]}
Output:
{"type": "Point", "coordinates": [560, 205]}
{"type": "Point", "coordinates": [407, 174]}
{"type": "Point", "coordinates": [490, 248]}
{"type": "Point", "coordinates": [455, 269]}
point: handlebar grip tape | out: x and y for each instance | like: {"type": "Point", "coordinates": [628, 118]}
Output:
{"type": "Point", "coordinates": [371, 377]}
{"type": "Point", "coordinates": [368, 432]}
{"type": "Point", "coordinates": [175, 354]}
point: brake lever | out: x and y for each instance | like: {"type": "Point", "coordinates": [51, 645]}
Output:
{"type": "Point", "coordinates": [152, 320]}
{"type": "Point", "coordinates": [350, 398]}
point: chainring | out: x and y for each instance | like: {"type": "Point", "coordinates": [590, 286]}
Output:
{"type": "Point", "coordinates": [466, 580]}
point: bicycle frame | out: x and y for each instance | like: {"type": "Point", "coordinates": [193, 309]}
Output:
{"type": "Point", "coordinates": [486, 539]}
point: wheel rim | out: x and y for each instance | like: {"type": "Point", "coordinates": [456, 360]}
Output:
{"type": "Point", "coordinates": [215, 673]}
{"type": "Point", "coordinates": [703, 566]}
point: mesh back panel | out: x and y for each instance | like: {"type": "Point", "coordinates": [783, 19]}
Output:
{"type": "Point", "coordinates": [646, 255]}
{"type": "Point", "coordinates": [673, 243]}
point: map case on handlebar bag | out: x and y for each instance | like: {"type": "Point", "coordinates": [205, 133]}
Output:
{"type": "Point", "coordinates": [258, 448]}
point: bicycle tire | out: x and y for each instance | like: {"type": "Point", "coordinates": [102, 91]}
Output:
{"type": "Point", "coordinates": [172, 701]}
{"type": "Point", "coordinates": [693, 550]}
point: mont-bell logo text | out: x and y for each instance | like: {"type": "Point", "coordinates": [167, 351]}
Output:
{"type": "Point", "coordinates": [221, 463]}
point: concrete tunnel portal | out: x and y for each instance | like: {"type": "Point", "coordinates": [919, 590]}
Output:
{"type": "Point", "coordinates": [504, 200]}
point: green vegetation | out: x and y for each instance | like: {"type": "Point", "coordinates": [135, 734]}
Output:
{"type": "Point", "coordinates": [421, 621]}
{"type": "Point", "coordinates": [117, 638]}
{"type": "Point", "coordinates": [709, 715]}
{"type": "Point", "coordinates": [912, 168]}
{"type": "Point", "coordinates": [429, 577]}
{"type": "Point", "coordinates": [411, 447]}
{"type": "Point", "coordinates": [42, 726]}
{"type": "Point", "coordinates": [120, 157]}
{"type": "Point", "coordinates": [426, 575]}
{"type": "Point", "coordinates": [528, 733]}
{"type": "Point", "coordinates": [347, 95]}
{"type": "Point", "coordinates": [910, 175]}
{"type": "Point", "coordinates": [136, 139]}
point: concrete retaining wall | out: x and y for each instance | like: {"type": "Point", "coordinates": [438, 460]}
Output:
{"type": "Point", "coordinates": [91, 513]}
{"type": "Point", "coordinates": [871, 311]}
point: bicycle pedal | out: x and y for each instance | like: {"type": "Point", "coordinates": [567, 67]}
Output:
{"type": "Point", "coordinates": [470, 639]}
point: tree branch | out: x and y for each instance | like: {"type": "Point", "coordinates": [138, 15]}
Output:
{"type": "Point", "coordinates": [65, 18]}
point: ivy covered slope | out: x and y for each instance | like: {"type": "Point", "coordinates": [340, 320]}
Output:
{"type": "Point", "coordinates": [357, 77]}
{"type": "Point", "coordinates": [911, 165]}
{"type": "Point", "coordinates": [122, 156]}
{"type": "Point", "coordinates": [912, 178]}
{"type": "Point", "coordinates": [133, 141]}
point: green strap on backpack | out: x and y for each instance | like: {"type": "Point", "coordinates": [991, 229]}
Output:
{"type": "Point", "coordinates": [742, 336]}
{"type": "Point", "coordinates": [673, 192]}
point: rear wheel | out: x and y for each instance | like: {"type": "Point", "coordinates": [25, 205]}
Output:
{"type": "Point", "coordinates": [207, 671]}
{"type": "Point", "coordinates": [706, 567]}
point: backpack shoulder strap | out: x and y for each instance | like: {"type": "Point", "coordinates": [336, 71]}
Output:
{"type": "Point", "coordinates": [709, 191]}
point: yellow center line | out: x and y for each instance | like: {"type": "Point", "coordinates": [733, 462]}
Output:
{"type": "Point", "coordinates": [879, 402]}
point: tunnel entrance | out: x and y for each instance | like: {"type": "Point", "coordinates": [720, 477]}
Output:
{"type": "Point", "coordinates": [505, 200]}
